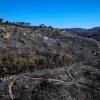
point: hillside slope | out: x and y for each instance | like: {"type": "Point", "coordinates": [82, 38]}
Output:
{"type": "Point", "coordinates": [43, 63]}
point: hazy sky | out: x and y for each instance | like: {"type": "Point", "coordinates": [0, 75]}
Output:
{"type": "Point", "coordinates": [57, 13]}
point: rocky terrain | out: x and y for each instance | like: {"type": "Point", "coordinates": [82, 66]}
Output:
{"type": "Point", "coordinates": [44, 63]}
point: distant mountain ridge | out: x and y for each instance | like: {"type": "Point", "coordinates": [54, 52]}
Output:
{"type": "Point", "coordinates": [91, 33]}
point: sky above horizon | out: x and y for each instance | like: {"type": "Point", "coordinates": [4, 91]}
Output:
{"type": "Point", "coordinates": [56, 13]}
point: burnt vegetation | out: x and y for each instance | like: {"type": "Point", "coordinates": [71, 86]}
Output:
{"type": "Point", "coordinates": [46, 63]}
{"type": "Point", "coordinates": [49, 48]}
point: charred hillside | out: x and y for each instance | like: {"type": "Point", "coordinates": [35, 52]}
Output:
{"type": "Point", "coordinates": [44, 63]}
